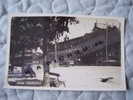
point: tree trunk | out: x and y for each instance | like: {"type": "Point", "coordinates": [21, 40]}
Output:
{"type": "Point", "coordinates": [46, 81]}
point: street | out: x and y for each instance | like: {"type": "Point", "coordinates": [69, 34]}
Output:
{"type": "Point", "coordinates": [89, 77]}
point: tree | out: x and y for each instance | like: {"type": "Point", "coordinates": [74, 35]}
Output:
{"type": "Point", "coordinates": [30, 32]}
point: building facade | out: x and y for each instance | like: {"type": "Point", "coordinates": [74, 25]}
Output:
{"type": "Point", "coordinates": [98, 48]}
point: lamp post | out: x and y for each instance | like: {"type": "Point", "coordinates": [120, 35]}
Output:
{"type": "Point", "coordinates": [56, 58]}
{"type": "Point", "coordinates": [106, 39]}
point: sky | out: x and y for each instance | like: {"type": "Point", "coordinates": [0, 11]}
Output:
{"type": "Point", "coordinates": [86, 25]}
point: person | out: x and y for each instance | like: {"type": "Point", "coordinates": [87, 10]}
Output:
{"type": "Point", "coordinates": [39, 51]}
{"type": "Point", "coordinates": [47, 66]}
{"type": "Point", "coordinates": [38, 67]}
{"type": "Point", "coordinates": [55, 64]}
{"type": "Point", "coordinates": [28, 70]}
{"type": "Point", "coordinates": [11, 68]}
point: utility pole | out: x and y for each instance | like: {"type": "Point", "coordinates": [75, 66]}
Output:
{"type": "Point", "coordinates": [106, 39]}
{"type": "Point", "coordinates": [56, 58]}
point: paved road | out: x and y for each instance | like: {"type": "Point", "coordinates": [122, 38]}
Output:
{"type": "Point", "coordinates": [90, 77]}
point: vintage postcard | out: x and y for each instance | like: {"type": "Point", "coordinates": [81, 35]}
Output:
{"type": "Point", "coordinates": [65, 52]}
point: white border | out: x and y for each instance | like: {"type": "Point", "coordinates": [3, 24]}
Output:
{"type": "Point", "coordinates": [120, 19]}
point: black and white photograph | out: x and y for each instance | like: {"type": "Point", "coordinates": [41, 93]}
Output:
{"type": "Point", "coordinates": [65, 52]}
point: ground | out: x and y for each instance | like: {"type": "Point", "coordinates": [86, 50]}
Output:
{"type": "Point", "coordinates": [89, 77]}
{"type": "Point", "coordinates": [80, 78]}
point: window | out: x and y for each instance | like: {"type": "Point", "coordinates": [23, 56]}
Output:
{"type": "Point", "coordinates": [98, 43]}
{"type": "Point", "coordinates": [69, 55]}
{"type": "Point", "coordinates": [85, 49]}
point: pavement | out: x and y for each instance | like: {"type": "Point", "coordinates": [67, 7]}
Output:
{"type": "Point", "coordinates": [89, 77]}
